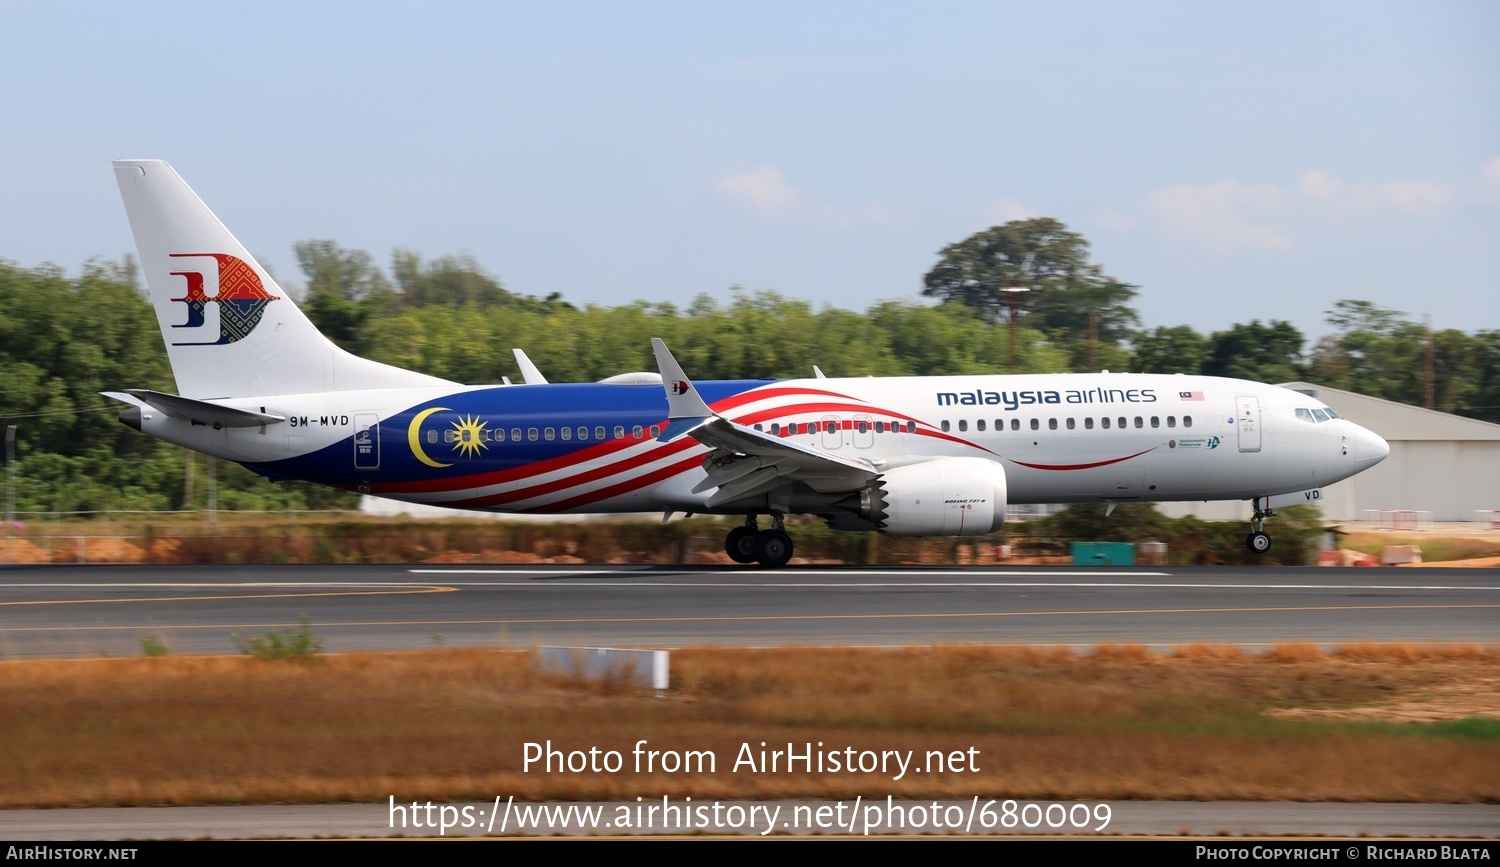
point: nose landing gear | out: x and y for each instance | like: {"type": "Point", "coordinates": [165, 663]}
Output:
{"type": "Point", "coordinates": [1259, 542]}
{"type": "Point", "coordinates": [749, 544]}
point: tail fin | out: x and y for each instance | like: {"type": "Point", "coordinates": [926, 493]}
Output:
{"type": "Point", "coordinates": [230, 330]}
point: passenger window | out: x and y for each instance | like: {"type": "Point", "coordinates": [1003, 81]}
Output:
{"type": "Point", "coordinates": [598, 432]}
{"type": "Point", "coordinates": [1015, 424]}
{"type": "Point", "coordinates": [945, 425]}
{"type": "Point", "coordinates": [656, 430]}
{"type": "Point", "coordinates": [1051, 424]}
{"type": "Point", "coordinates": [1123, 425]}
{"type": "Point", "coordinates": [432, 437]}
{"type": "Point", "coordinates": [1187, 421]}
{"type": "Point", "coordinates": [1088, 423]}
{"type": "Point", "coordinates": [1155, 421]}
{"type": "Point", "coordinates": [567, 433]}
{"type": "Point", "coordinates": [963, 425]}
{"type": "Point", "coordinates": [1036, 425]}
{"type": "Point", "coordinates": [911, 427]}
{"type": "Point", "coordinates": [979, 425]}
{"type": "Point", "coordinates": [1171, 421]}
{"type": "Point", "coordinates": [583, 433]}
{"type": "Point", "coordinates": [531, 434]}
{"type": "Point", "coordinates": [864, 427]}
{"type": "Point", "coordinates": [1104, 422]}
{"type": "Point", "coordinates": [638, 432]}
{"type": "Point", "coordinates": [549, 434]}
{"type": "Point", "coordinates": [1070, 424]}
{"type": "Point", "coordinates": [515, 434]}
{"type": "Point", "coordinates": [619, 431]}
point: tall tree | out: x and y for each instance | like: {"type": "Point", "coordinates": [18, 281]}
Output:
{"type": "Point", "coordinates": [345, 289]}
{"type": "Point", "coordinates": [351, 275]}
{"type": "Point", "coordinates": [1067, 297]}
{"type": "Point", "coordinates": [445, 280]}
{"type": "Point", "coordinates": [1380, 352]}
{"type": "Point", "coordinates": [1264, 353]}
{"type": "Point", "coordinates": [1179, 349]}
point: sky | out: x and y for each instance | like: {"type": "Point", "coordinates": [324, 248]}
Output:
{"type": "Point", "coordinates": [1235, 161]}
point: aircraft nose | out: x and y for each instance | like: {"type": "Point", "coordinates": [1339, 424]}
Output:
{"type": "Point", "coordinates": [1369, 447]}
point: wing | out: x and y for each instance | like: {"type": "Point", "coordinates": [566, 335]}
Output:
{"type": "Point", "coordinates": [746, 462]}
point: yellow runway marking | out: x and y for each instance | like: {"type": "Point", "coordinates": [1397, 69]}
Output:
{"type": "Point", "coordinates": [398, 591]}
{"type": "Point", "coordinates": [767, 617]}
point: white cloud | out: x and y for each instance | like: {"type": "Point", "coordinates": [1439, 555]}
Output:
{"type": "Point", "coordinates": [1490, 176]}
{"type": "Point", "coordinates": [1341, 199]}
{"type": "Point", "coordinates": [765, 191]}
{"type": "Point", "coordinates": [1008, 210]}
{"type": "Point", "coordinates": [1319, 185]}
{"type": "Point", "coordinates": [1227, 216]}
{"type": "Point", "coordinates": [1221, 217]}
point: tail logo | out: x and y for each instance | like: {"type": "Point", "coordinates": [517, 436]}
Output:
{"type": "Point", "coordinates": [680, 387]}
{"type": "Point", "coordinates": [242, 298]}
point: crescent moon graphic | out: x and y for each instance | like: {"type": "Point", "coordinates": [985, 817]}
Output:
{"type": "Point", "coordinates": [413, 436]}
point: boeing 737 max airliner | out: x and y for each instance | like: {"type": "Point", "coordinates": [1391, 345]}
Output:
{"type": "Point", "coordinates": [258, 384]}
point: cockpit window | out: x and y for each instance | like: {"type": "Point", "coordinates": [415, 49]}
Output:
{"type": "Point", "coordinates": [1331, 413]}
{"type": "Point", "coordinates": [1305, 414]}
{"type": "Point", "coordinates": [1320, 415]}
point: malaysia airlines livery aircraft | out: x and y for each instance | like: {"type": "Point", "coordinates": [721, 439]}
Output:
{"type": "Point", "coordinates": [908, 456]}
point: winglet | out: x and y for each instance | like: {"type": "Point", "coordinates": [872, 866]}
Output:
{"type": "Point", "coordinates": [529, 372]}
{"type": "Point", "coordinates": [683, 400]}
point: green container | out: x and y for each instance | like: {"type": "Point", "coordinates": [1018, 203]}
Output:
{"type": "Point", "coordinates": [1103, 554]}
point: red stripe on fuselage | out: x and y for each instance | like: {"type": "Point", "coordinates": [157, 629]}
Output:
{"type": "Point", "coordinates": [583, 478]}
{"type": "Point", "coordinates": [758, 394]}
{"type": "Point", "coordinates": [1080, 466]}
{"type": "Point", "coordinates": [624, 487]}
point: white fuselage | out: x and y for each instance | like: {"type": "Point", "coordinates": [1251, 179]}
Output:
{"type": "Point", "coordinates": [1059, 438]}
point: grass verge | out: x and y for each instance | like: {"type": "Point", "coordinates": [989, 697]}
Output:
{"type": "Point", "coordinates": [1206, 722]}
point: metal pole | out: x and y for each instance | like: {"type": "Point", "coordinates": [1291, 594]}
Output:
{"type": "Point", "coordinates": [213, 488]}
{"type": "Point", "coordinates": [1012, 338]}
{"type": "Point", "coordinates": [10, 488]}
{"type": "Point", "coordinates": [10, 474]}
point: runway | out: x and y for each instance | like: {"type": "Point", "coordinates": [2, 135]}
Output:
{"type": "Point", "coordinates": [79, 611]}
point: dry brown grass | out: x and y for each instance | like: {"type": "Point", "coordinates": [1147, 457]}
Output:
{"type": "Point", "coordinates": [1436, 546]}
{"type": "Point", "coordinates": [1119, 722]}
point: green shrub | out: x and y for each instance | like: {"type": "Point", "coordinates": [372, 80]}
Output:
{"type": "Point", "coordinates": [151, 645]}
{"type": "Point", "coordinates": [299, 644]}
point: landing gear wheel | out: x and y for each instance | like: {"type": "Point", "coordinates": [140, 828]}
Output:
{"type": "Point", "coordinates": [740, 545]}
{"type": "Point", "coordinates": [1258, 542]}
{"type": "Point", "coordinates": [773, 549]}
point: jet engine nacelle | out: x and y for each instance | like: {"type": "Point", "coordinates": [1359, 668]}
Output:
{"type": "Point", "coordinates": [941, 497]}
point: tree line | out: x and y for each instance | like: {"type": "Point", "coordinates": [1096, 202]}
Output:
{"type": "Point", "coordinates": [65, 338]}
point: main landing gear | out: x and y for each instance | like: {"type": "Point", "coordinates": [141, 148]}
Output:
{"type": "Point", "coordinates": [749, 544]}
{"type": "Point", "coordinates": [1259, 542]}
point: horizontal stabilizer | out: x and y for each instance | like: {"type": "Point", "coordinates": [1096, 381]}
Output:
{"type": "Point", "coordinates": [199, 412]}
